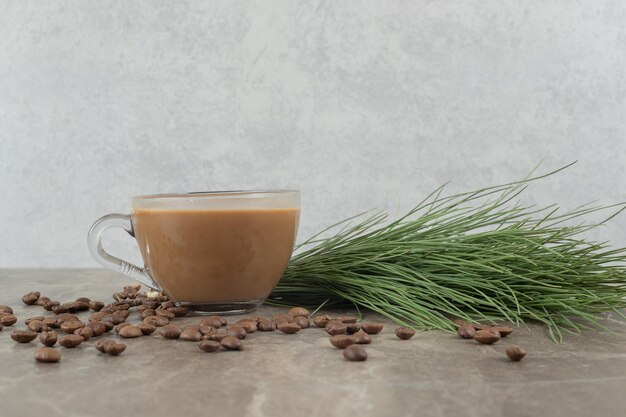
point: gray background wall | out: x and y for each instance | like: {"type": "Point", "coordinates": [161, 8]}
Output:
{"type": "Point", "coordinates": [366, 104]}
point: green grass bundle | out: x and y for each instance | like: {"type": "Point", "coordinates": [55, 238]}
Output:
{"type": "Point", "coordinates": [477, 256]}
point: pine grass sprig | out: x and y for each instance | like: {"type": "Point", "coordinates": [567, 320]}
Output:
{"type": "Point", "coordinates": [477, 256]}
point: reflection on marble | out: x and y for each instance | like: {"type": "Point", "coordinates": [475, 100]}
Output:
{"type": "Point", "coordinates": [433, 374]}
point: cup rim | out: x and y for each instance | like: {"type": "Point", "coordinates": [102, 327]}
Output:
{"type": "Point", "coordinates": [218, 193]}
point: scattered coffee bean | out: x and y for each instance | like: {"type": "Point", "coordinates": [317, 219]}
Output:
{"type": "Point", "coordinates": [459, 322]}
{"type": "Point", "coordinates": [288, 328]}
{"type": "Point", "coordinates": [23, 336]}
{"type": "Point", "coordinates": [31, 298]}
{"type": "Point", "coordinates": [362, 338]}
{"type": "Point", "coordinates": [170, 331]}
{"type": "Point", "coordinates": [120, 327]}
{"type": "Point", "coordinates": [28, 320]}
{"type": "Point", "coordinates": [48, 305]}
{"type": "Point", "coordinates": [302, 322]}
{"type": "Point", "coordinates": [51, 322]}
{"type": "Point", "coordinates": [147, 313]}
{"type": "Point", "coordinates": [504, 330]}
{"type": "Point", "coordinates": [146, 329]}
{"type": "Point", "coordinates": [248, 325]}
{"type": "Point", "coordinates": [178, 311]}
{"type": "Point", "coordinates": [322, 320]}
{"type": "Point", "coordinates": [37, 326]}
{"type": "Point", "coordinates": [114, 349]}
{"type": "Point", "coordinates": [63, 317]}
{"type": "Point", "coordinates": [96, 305]}
{"type": "Point", "coordinates": [85, 332]}
{"type": "Point", "coordinates": [205, 329]}
{"type": "Point", "coordinates": [405, 333]}
{"type": "Point", "coordinates": [168, 304]}
{"type": "Point", "coordinates": [209, 345]}
{"type": "Point", "coordinates": [8, 320]}
{"type": "Point", "coordinates": [466, 331]}
{"type": "Point", "coordinates": [237, 331]}
{"type": "Point", "coordinates": [156, 321]}
{"type": "Point", "coordinates": [341, 341]}
{"type": "Point", "coordinates": [218, 335]}
{"type": "Point", "coordinates": [83, 299]}
{"type": "Point", "coordinates": [232, 343]}
{"type": "Point", "coordinates": [191, 335]}
{"type": "Point", "coordinates": [101, 344]}
{"type": "Point", "coordinates": [47, 355]}
{"type": "Point", "coordinates": [77, 306]}
{"type": "Point", "coordinates": [6, 309]}
{"type": "Point", "coordinates": [71, 340]}
{"type": "Point", "coordinates": [371, 327]}
{"type": "Point", "coordinates": [213, 321]}
{"type": "Point", "coordinates": [71, 326]}
{"type": "Point", "coordinates": [299, 312]}
{"type": "Point", "coordinates": [352, 328]}
{"type": "Point", "coordinates": [515, 353]}
{"type": "Point", "coordinates": [48, 338]}
{"type": "Point", "coordinates": [60, 309]}
{"type": "Point", "coordinates": [347, 319]}
{"type": "Point", "coordinates": [151, 304]}
{"type": "Point", "coordinates": [266, 325]}
{"type": "Point", "coordinates": [355, 353]}
{"type": "Point", "coordinates": [281, 318]}
{"type": "Point", "coordinates": [165, 313]}
{"type": "Point", "coordinates": [98, 328]}
{"type": "Point", "coordinates": [335, 328]}
{"type": "Point", "coordinates": [487, 336]}
{"type": "Point", "coordinates": [131, 331]}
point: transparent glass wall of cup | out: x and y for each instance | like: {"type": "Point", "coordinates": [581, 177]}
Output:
{"type": "Point", "coordinates": [214, 252]}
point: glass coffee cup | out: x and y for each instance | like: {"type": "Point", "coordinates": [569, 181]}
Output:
{"type": "Point", "coordinates": [213, 252]}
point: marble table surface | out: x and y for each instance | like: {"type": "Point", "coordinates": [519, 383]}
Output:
{"type": "Point", "coordinates": [433, 374]}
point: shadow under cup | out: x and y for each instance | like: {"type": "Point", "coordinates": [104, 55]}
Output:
{"type": "Point", "coordinates": [217, 252]}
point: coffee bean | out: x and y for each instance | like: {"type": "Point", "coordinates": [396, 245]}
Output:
{"type": "Point", "coordinates": [48, 338]}
{"type": "Point", "coordinates": [321, 321]}
{"type": "Point", "coordinates": [336, 328]}
{"type": "Point", "coordinates": [282, 318]}
{"type": "Point", "coordinates": [71, 326]}
{"type": "Point", "coordinates": [62, 318]}
{"type": "Point", "coordinates": [266, 325]}
{"type": "Point", "coordinates": [119, 305]}
{"type": "Point", "coordinates": [335, 322]}
{"type": "Point", "coordinates": [355, 353]}
{"type": "Point", "coordinates": [288, 328]}
{"type": "Point", "coordinates": [8, 320]}
{"type": "Point", "coordinates": [466, 331]}
{"type": "Point", "coordinates": [170, 331]}
{"type": "Point", "coordinates": [146, 329]}
{"type": "Point", "coordinates": [209, 345]}
{"type": "Point", "coordinates": [515, 353]}
{"type": "Point", "coordinates": [405, 333]}
{"type": "Point", "coordinates": [97, 327]}
{"type": "Point", "coordinates": [231, 343]}
{"type": "Point", "coordinates": [178, 311]}
{"type": "Point", "coordinates": [302, 322]}
{"type": "Point", "coordinates": [101, 344]}
{"type": "Point", "coordinates": [51, 322]}
{"type": "Point", "coordinates": [341, 341]}
{"type": "Point", "coordinates": [85, 332]}
{"type": "Point", "coordinates": [487, 336]}
{"type": "Point", "coordinates": [71, 340]}
{"type": "Point", "coordinates": [31, 298]}
{"type": "Point", "coordinates": [237, 331]}
{"type": "Point", "coordinates": [122, 313]}
{"type": "Point", "coordinates": [504, 330]}
{"type": "Point", "coordinates": [6, 309]}
{"type": "Point", "coordinates": [352, 328]}
{"type": "Point", "coordinates": [165, 313]}
{"type": "Point", "coordinates": [1, 327]}
{"type": "Point", "coordinates": [96, 305]}
{"type": "Point", "coordinates": [77, 306]}
{"type": "Point", "coordinates": [23, 336]}
{"type": "Point", "coordinates": [37, 326]}
{"type": "Point", "coordinates": [191, 335]}
{"type": "Point", "coordinates": [299, 312]}
{"type": "Point", "coordinates": [156, 321]}
{"type": "Point", "coordinates": [371, 327]}
{"type": "Point", "coordinates": [248, 325]}
{"type": "Point", "coordinates": [120, 327]}
{"type": "Point", "coordinates": [205, 329]}
{"type": "Point", "coordinates": [129, 332]}
{"type": "Point", "coordinates": [213, 321]}
{"type": "Point", "coordinates": [347, 319]}
{"type": "Point", "coordinates": [168, 304]}
{"type": "Point", "coordinates": [28, 320]}
{"type": "Point", "coordinates": [47, 355]}
{"type": "Point", "coordinates": [459, 322]}
{"type": "Point", "coordinates": [114, 349]}
{"type": "Point", "coordinates": [60, 309]}
{"type": "Point", "coordinates": [151, 304]}
{"type": "Point", "coordinates": [117, 296]}
{"type": "Point", "coordinates": [48, 305]}
{"type": "Point", "coordinates": [218, 335]}
{"type": "Point", "coordinates": [362, 338]}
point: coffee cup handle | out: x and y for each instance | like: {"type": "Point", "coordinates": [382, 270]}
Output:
{"type": "Point", "coordinates": [94, 243]}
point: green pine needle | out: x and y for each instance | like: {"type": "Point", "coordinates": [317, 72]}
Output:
{"type": "Point", "coordinates": [480, 255]}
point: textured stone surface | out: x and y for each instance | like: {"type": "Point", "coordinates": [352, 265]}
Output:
{"type": "Point", "coordinates": [360, 104]}
{"type": "Point", "coordinates": [433, 374]}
